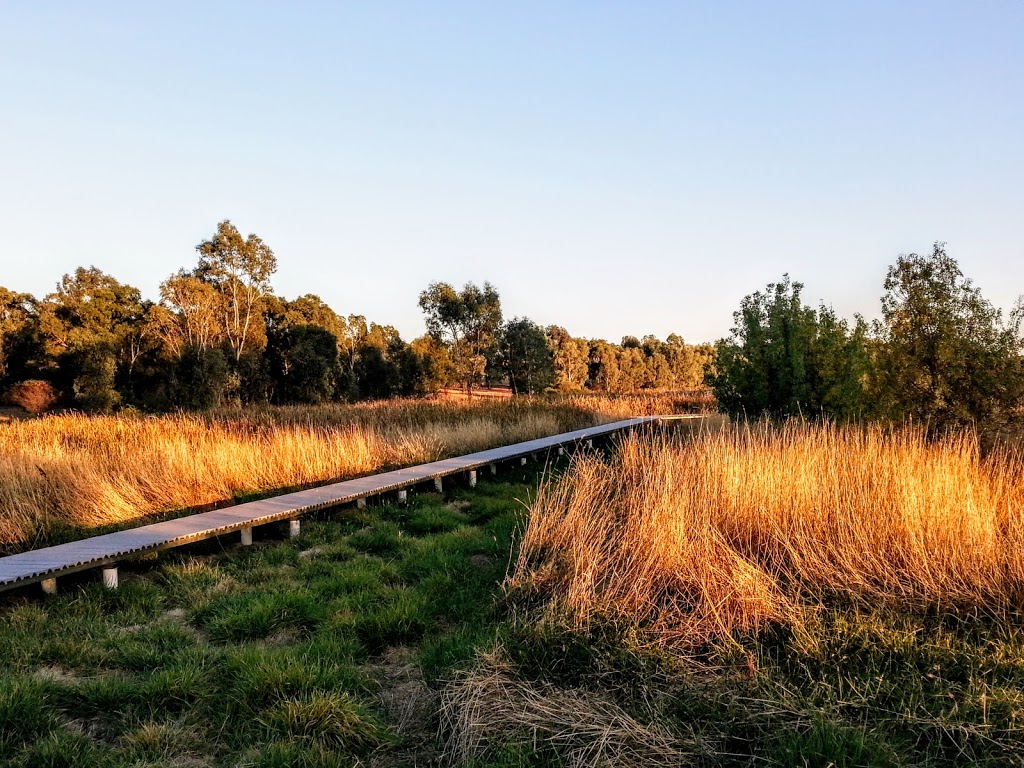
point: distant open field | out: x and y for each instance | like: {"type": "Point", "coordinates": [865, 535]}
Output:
{"type": "Point", "coordinates": [63, 473]}
{"type": "Point", "coordinates": [803, 595]}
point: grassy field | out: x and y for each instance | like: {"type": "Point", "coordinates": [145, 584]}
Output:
{"type": "Point", "coordinates": [330, 649]}
{"type": "Point", "coordinates": [795, 596]}
{"type": "Point", "coordinates": [800, 596]}
{"type": "Point", "coordinates": [64, 474]}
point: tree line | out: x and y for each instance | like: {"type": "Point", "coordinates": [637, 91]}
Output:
{"type": "Point", "coordinates": [219, 335]}
{"type": "Point", "coordinates": [940, 354]}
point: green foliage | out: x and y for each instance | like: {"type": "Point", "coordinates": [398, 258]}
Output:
{"type": "Point", "coordinates": [93, 387]}
{"type": "Point", "coordinates": [948, 358]}
{"type": "Point", "coordinates": [329, 720]}
{"type": "Point", "coordinates": [239, 269]}
{"type": "Point", "coordinates": [569, 358]}
{"type": "Point", "coordinates": [941, 354]}
{"type": "Point", "coordinates": [783, 358]}
{"type": "Point", "coordinates": [200, 378]}
{"type": "Point", "coordinates": [525, 356]}
{"type": "Point", "coordinates": [25, 713]}
{"type": "Point", "coordinates": [467, 322]}
{"type": "Point", "coordinates": [306, 358]}
{"type": "Point", "coordinates": [19, 342]}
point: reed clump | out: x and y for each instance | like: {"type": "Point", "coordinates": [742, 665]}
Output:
{"type": "Point", "coordinates": [698, 539]}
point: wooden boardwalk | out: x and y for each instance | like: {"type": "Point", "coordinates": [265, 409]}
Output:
{"type": "Point", "coordinates": [46, 564]}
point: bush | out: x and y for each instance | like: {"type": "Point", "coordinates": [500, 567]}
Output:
{"type": "Point", "coordinates": [34, 396]}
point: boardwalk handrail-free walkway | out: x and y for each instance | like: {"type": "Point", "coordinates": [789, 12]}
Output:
{"type": "Point", "coordinates": [46, 564]}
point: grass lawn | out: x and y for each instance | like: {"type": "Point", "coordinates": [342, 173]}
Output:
{"type": "Point", "coordinates": [329, 649]}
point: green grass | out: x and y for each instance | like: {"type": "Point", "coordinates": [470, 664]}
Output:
{"type": "Point", "coordinates": [867, 688]}
{"type": "Point", "coordinates": [278, 655]}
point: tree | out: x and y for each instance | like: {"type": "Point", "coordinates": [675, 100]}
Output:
{"type": "Point", "coordinates": [435, 363]}
{"type": "Point", "coordinates": [948, 357]}
{"type": "Point", "coordinates": [782, 359]}
{"type": "Point", "coordinates": [196, 305]}
{"type": "Point", "coordinates": [465, 321]}
{"type": "Point", "coordinates": [570, 359]}
{"type": "Point", "coordinates": [240, 269]}
{"type": "Point", "coordinates": [309, 364]}
{"type": "Point", "coordinates": [603, 367]}
{"type": "Point", "coordinates": [18, 337]}
{"type": "Point", "coordinates": [200, 378]}
{"type": "Point", "coordinates": [632, 368]}
{"type": "Point", "coordinates": [90, 325]}
{"type": "Point", "coordinates": [526, 357]}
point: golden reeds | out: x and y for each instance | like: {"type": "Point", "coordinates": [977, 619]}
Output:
{"type": "Point", "coordinates": [91, 470]}
{"type": "Point", "coordinates": [698, 538]}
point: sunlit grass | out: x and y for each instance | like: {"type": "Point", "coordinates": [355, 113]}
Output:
{"type": "Point", "coordinates": [693, 539]}
{"type": "Point", "coordinates": [77, 471]}
{"type": "Point", "coordinates": [778, 596]}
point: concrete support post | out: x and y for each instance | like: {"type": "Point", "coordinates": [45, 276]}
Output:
{"type": "Point", "coordinates": [472, 478]}
{"type": "Point", "coordinates": [247, 536]}
{"type": "Point", "coordinates": [439, 485]}
{"type": "Point", "coordinates": [49, 586]}
{"type": "Point", "coordinates": [361, 503]}
{"type": "Point", "coordinates": [294, 528]}
{"type": "Point", "coordinates": [494, 470]}
{"type": "Point", "coordinates": [110, 576]}
{"type": "Point", "coordinates": [403, 496]}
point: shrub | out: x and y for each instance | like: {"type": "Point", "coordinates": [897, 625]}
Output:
{"type": "Point", "coordinates": [34, 396]}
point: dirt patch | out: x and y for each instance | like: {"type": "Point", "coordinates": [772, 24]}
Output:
{"type": "Point", "coordinates": [189, 761]}
{"type": "Point", "coordinates": [56, 674]}
{"type": "Point", "coordinates": [481, 561]}
{"type": "Point", "coordinates": [410, 709]}
{"type": "Point", "coordinates": [92, 727]}
{"type": "Point", "coordinates": [284, 637]}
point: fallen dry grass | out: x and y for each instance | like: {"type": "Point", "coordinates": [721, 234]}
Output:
{"type": "Point", "coordinates": [692, 540]}
{"type": "Point", "coordinates": [83, 471]}
{"type": "Point", "coordinates": [489, 706]}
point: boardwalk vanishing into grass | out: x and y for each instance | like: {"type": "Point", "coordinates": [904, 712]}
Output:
{"type": "Point", "coordinates": [47, 564]}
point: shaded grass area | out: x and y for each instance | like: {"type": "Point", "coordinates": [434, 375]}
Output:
{"type": "Point", "coordinates": [324, 650]}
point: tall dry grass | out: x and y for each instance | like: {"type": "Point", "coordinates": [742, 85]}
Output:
{"type": "Point", "coordinates": [83, 471]}
{"type": "Point", "coordinates": [655, 402]}
{"type": "Point", "coordinates": [695, 539]}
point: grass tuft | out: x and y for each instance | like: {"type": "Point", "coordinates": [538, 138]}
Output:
{"type": "Point", "coordinates": [328, 720]}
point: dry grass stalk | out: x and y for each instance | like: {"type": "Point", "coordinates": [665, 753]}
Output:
{"type": "Point", "coordinates": [695, 539]}
{"type": "Point", "coordinates": [489, 706]}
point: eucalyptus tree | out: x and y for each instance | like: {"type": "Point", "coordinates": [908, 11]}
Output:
{"type": "Point", "coordinates": [239, 268]}
{"type": "Point", "coordinates": [467, 322]}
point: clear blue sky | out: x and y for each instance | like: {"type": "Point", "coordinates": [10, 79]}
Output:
{"type": "Point", "coordinates": [617, 168]}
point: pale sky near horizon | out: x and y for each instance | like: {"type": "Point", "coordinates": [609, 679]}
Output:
{"type": "Point", "coordinates": [615, 168]}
